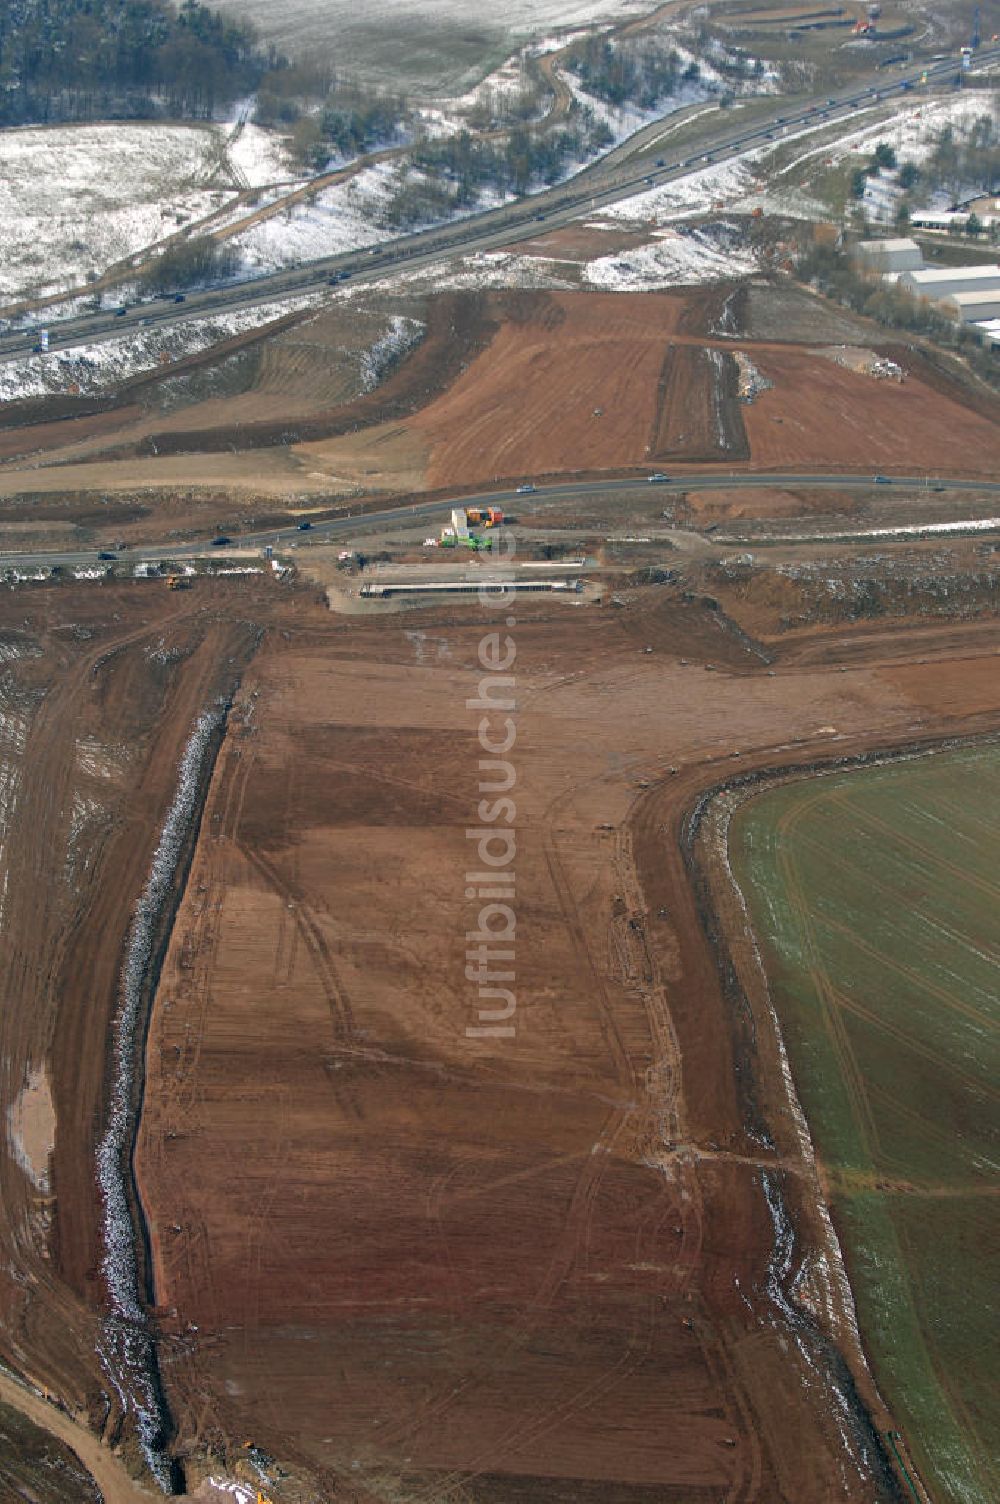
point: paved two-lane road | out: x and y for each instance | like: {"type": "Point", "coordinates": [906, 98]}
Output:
{"type": "Point", "coordinates": [352, 526]}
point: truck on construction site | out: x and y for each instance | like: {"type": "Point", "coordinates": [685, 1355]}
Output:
{"type": "Point", "coordinates": [178, 582]}
{"type": "Point", "coordinates": [484, 516]}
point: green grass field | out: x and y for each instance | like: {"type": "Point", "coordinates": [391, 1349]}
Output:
{"type": "Point", "coordinates": [875, 896]}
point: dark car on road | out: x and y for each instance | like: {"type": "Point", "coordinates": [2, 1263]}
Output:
{"type": "Point", "coordinates": [104, 554]}
{"type": "Point", "coordinates": [221, 541]}
{"type": "Point", "coordinates": [304, 527]}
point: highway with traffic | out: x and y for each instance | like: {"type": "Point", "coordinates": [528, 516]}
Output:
{"type": "Point", "coordinates": [346, 526]}
{"type": "Point", "coordinates": [612, 177]}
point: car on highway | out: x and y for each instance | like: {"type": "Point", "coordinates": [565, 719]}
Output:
{"type": "Point", "coordinates": [882, 480]}
{"type": "Point", "coordinates": [526, 490]}
{"type": "Point", "coordinates": [106, 554]}
{"type": "Point", "coordinates": [120, 313]}
{"type": "Point", "coordinates": [180, 297]}
{"type": "Point", "coordinates": [661, 162]}
{"type": "Point", "coordinates": [221, 541]}
{"type": "Point", "coordinates": [304, 527]}
{"type": "Point", "coordinates": [657, 475]}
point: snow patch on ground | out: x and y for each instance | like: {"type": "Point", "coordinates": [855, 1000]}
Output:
{"type": "Point", "coordinates": [672, 259]}
{"type": "Point", "coordinates": [90, 369]}
{"type": "Point", "coordinates": [709, 187]}
{"type": "Point", "coordinates": [501, 269]}
{"type": "Point", "coordinates": [261, 156]}
{"type": "Point", "coordinates": [387, 352]}
{"type": "Point", "coordinates": [623, 121]}
{"type": "Point", "coordinates": [911, 131]}
{"type": "Point", "coordinates": [345, 217]}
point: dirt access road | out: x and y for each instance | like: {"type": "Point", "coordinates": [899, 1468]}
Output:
{"type": "Point", "coordinates": [409, 1262]}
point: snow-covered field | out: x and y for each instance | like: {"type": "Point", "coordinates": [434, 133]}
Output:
{"type": "Point", "coordinates": [76, 200]}
{"type": "Point", "coordinates": [90, 369]}
{"type": "Point", "coordinates": [340, 29]}
{"type": "Point", "coordinates": [345, 217]}
{"type": "Point", "coordinates": [259, 155]}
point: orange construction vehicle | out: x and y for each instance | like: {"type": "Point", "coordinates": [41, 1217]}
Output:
{"type": "Point", "coordinates": [178, 582]}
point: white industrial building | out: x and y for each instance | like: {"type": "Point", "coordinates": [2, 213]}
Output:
{"type": "Point", "coordinates": [950, 219]}
{"type": "Point", "coordinates": [973, 307]}
{"type": "Point", "coordinates": [889, 255]}
{"type": "Point", "coordinates": [940, 282]}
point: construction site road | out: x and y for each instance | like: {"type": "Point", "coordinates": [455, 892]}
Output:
{"type": "Point", "coordinates": [358, 524]}
{"type": "Point", "coordinates": [613, 177]}
{"type": "Point", "coordinates": [361, 523]}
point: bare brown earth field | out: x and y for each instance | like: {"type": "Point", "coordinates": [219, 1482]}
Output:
{"type": "Point", "coordinates": [490, 1269]}
{"type": "Point", "coordinates": [699, 417]}
{"type": "Point", "coordinates": [97, 695]}
{"type": "Point", "coordinates": [820, 414]}
{"type": "Point", "coordinates": [712, 506]}
{"type": "Point", "coordinates": [514, 384]}
{"type": "Point", "coordinates": [531, 400]}
{"type": "Point", "coordinates": [424, 1266]}
{"type": "Point", "coordinates": [409, 1263]}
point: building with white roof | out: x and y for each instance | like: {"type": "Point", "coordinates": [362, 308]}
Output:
{"type": "Point", "coordinates": [889, 255]}
{"type": "Point", "coordinates": [975, 307]}
{"type": "Point", "coordinates": [938, 282]}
